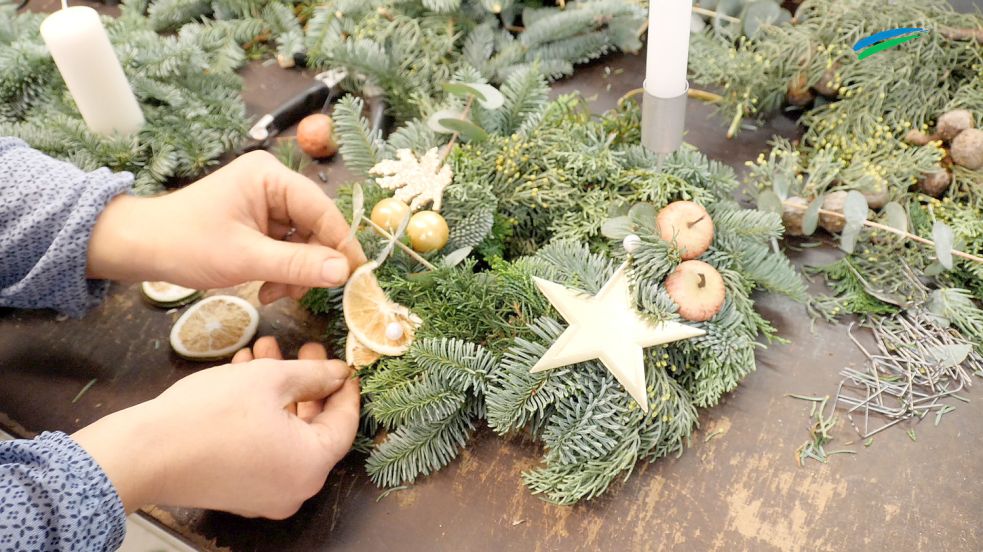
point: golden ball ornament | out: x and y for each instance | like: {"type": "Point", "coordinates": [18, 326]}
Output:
{"type": "Point", "coordinates": [315, 136]}
{"type": "Point", "coordinates": [389, 213]}
{"type": "Point", "coordinates": [428, 231]}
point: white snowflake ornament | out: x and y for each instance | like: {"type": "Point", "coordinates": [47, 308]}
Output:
{"type": "Point", "coordinates": [416, 181]}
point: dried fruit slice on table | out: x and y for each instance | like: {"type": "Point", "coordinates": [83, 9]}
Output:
{"type": "Point", "coordinates": [214, 328]}
{"type": "Point", "coordinates": [167, 295]}
{"type": "Point", "coordinates": [375, 320]}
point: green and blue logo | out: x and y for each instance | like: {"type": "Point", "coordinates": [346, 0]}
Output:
{"type": "Point", "coordinates": [878, 42]}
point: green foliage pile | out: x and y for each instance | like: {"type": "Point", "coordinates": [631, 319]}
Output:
{"type": "Point", "coordinates": [546, 180]}
{"type": "Point", "coordinates": [406, 48]}
{"type": "Point", "coordinates": [855, 130]}
{"type": "Point", "coordinates": [185, 84]}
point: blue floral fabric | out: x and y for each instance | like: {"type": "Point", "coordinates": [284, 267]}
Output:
{"type": "Point", "coordinates": [53, 495]}
{"type": "Point", "coordinates": [47, 211]}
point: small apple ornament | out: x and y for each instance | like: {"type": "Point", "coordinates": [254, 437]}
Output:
{"type": "Point", "coordinates": [389, 213]}
{"type": "Point", "coordinates": [428, 231]}
{"type": "Point", "coordinates": [698, 289]}
{"type": "Point", "coordinates": [687, 223]}
{"type": "Point", "coordinates": [315, 135]}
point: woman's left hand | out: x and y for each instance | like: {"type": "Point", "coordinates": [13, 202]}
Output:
{"type": "Point", "coordinates": [253, 219]}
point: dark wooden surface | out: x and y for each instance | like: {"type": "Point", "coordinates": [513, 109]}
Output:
{"type": "Point", "coordinates": [741, 490]}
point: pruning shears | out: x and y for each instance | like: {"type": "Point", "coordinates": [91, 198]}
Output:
{"type": "Point", "coordinates": [317, 98]}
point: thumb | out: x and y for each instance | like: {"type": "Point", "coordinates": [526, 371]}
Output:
{"type": "Point", "coordinates": [337, 424]}
{"type": "Point", "coordinates": [299, 264]}
{"type": "Point", "coordinates": [310, 380]}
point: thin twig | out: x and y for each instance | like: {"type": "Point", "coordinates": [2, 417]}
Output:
{"type": "Point", "coordinates": [711, 13]}
{"type": "Point", "coordinates": [891, 229]}
{"type": "Point", "coordinates": [409, 251]}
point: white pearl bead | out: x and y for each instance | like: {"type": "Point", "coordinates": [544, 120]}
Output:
{"type": "Point", "coordinates": [394, 331]}
{"type": "Point", "coordinates": [631, 243]}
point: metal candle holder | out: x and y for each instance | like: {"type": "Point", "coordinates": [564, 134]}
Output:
{"type": "Point", "coordinates": [663, 122]}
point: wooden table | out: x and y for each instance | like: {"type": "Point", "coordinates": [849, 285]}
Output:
{"type": "Point", "coordinates": [742, 490]}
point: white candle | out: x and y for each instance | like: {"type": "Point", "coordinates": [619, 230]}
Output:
{"type": "Point", "coordinates": [668, 47]}
{"type": "Point", "coordinates": [80, 47]}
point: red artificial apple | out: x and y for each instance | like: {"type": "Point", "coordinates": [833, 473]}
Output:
{"type": "Point", "coordinates": [687, 223]}
{"type": "Point", "coordinates": [698, 289]}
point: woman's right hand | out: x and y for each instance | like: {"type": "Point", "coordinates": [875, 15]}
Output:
{"type": "Point", "coordinates": [229, 438]}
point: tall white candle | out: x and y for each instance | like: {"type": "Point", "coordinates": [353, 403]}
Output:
{"type": "Point", "coordinates": [668, 47]}
{"type": "Point", "coordinates": [80, 47]}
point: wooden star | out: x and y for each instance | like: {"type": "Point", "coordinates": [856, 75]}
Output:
{"type": "Point", "coordinates": [608, 328]}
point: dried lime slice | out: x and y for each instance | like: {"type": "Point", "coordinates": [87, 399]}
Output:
{"type": "Point", "coordinates": [214, 328]}
{"type": "Point", "coordinates": [167, 295]}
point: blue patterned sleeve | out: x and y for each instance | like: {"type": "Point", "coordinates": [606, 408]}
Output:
{"type": "Point", "coordinates": [47, 211]}
{"type": "Point", "coordinates": [54, 496]}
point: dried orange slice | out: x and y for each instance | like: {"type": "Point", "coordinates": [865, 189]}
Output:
{"type": "Point", "coordinates": [376, 321]}
{"type": "Point", "coordinates": [167, 295]}
{"type": "Point", "coordinates": [214, 328]}
{"type": "Point", "coordinates": [358, 355]}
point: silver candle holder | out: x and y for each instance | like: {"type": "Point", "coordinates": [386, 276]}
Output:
{"type": "Point", "coordinates": [663, 122]}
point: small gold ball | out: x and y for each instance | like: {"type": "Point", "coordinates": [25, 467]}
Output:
{"type": "Point", "coordinates": [389, 213]}
{"type": "Point", "coordinates": [427, 231]}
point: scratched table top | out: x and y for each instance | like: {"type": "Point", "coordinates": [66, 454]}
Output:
{"type": "Point", "coordinates": [740, 490]}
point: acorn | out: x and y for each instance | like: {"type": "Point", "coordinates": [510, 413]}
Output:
{"type": "Point", "coordinates": [833, 202]}
{"type": "Point", "coordinates": [315, 136]}
{"type": "Point", "coordinates": [918, 138]}
{"type": "Point", "coordinates": [793, 213]}
{"type": "Point", "coordinates": [827, 83]}
{"type": "Point", "coordinates": [967, 149]}
{"type": "Point", "coordinates": [935, 183]}
{"type": "Point", "coordinates": [952, 123]}
{"type": "Point", "coordinates": [799, 94]}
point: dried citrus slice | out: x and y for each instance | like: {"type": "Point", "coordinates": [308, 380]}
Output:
{"type": "Point", "coordinates": [164, 294]}
{"type": "Point", "coordinates": [358, 355]}
{"type": "Point", "coordinates": [376, 321]}
{"type": "Point", "coordinates": [214, 328]}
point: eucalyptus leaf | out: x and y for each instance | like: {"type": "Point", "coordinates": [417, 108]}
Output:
{"type": "Point", "coordinates": [943, 237]}
{"type": "Point", "coordinates": [949, 355]}
{"type": "Point", "coordinates": [463, 89]}
{"type": "Point", "coordinates": [810, 220]}
{"type": "Point", "coordinates": [490, 97]}
{"type": "Point", "coordinates": [895, 216]}
{"type": "Point", "coordinates": [848, 237]}
{"type": "Point", "coordinates": [434, 121]}
{"type": "Point", "coordinates": [933, 269]}
{"type": "Point", "coordinates": [769, 202]}
{"type": "Point", "coordinates": [644, 215]}
{"type": "Point", "coordinates": [781, 184]}
{"type": "Point", "coordinates": [726, 7]}
{"type": "Point", "coordinates": [617, 228]}
{"type": "Point", "coordinates": [759, 13]}
{"type": "Point", "coordinates": [697, 24]}
{"type": "Point", "coordinates": [455, 257]}
{"type": "Point", "coordinates": [466, 129]}
{"type": "Point", "coordinates": [855, 208]}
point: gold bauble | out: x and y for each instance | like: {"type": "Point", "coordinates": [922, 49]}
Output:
{"type": "Point", "coordinates": [427, 231]}
{"type": "Point", "coordinates": [389, 213]}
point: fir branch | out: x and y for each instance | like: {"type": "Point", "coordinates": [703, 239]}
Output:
{"type": "Point", "coordinates": [360, 147]}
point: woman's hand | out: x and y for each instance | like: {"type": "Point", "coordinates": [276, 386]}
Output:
{"type": "Point", "coordinates": [227, 438]}
{"type": "Point", "coordinates": [253, 219]}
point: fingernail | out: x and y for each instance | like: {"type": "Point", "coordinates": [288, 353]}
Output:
{"type": "Point", "coordinates": [335, 271]}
